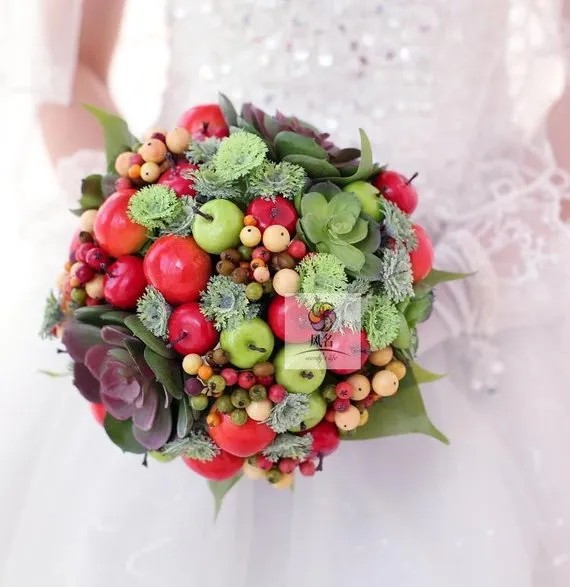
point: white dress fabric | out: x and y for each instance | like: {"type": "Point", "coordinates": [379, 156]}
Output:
{"type": "Point", "coordinates": [457, 90]}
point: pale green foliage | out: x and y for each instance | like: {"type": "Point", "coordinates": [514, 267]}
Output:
{"type": "Point", "coordinates": [197, 446]}
{"type": "Point", "coordinates": [52, 316]}
{"type": "Point", "coordinates": [276, 179]}
{"type": "Point", "coordinates": [203, 151]}
{"type": "Point", "coordinates": [289, 413]}
{"type": "Point", "coordinates": [154, 312]}
{"type": "Point", "coordinates": [182, 224]}
{"type": "Point", "coordinates": [399, 226]}
{"type": "Point", "coordinates": [349, 309]}
{"type": "Point", "coordinates": [396, 274]}
{"type": "Point", "coordinates": [154, 206]}
{"type": "Point", "coordinates": [323, 279]}
{"type": "Point", "coordinates": [211, 185]}
{"type": "Point", "coordinates": [289, 446]}
{"type": "Point", "coordinates": [239, 154]}
{"type": "Point", "coordinates": [380, 321]}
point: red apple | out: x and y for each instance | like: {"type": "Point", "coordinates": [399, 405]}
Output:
{"type": "Point", "coordinates": [325, 438]}
{"type": "Point", "coordinates": [178, 268]}
{"type": "Point", "coordinates": [345, 346]}
{"type": "Point", "coordinates": [223, 466]}
{"type": "Point", "coordinates": [398, 189]}
{"type": "Point", "coordinates": [174, 179]}
{"type": "Point", "coordinates": [242, 441]}
{"type": "Point", "coordinates": [422, 256]}
{"type": "Point", "coordinates": [125, 282]}
{"type": "Point", "coordinates": [115, 232]}
{"type": "Point", "coordinates": [99, 412]}
{"type": "Point", "coordinates": [189, 331]}
{"type": "Point", "coordinates": [279, 211]}
{"type": "Point", "coordinates": [289, 320]}
{"type": "Point", "coordinates": [206, 120]}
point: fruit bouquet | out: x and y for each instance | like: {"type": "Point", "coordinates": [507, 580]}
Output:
{"type": "Point", "coordinates": [243, 294]}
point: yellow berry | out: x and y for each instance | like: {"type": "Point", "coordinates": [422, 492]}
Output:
{"type": "Point", "coordinates": [285, 482]}
{"type": "Point", "coordinates": [86, 220]}
{"type": "Point", "coordinates": [260, 410]}
{"type": "Point", "coordinates": [135, 171]}
{"type": "Point", "coordinates": [360, 386]}
{"type": "Point", "coordinates": [286, 282]}
{"type": "Point", "coordinates": [348, 420]}
{"type": "Point", "coordinates": [191, 363]}
{"type": "Point", "coordinates": [153, 150]}
{"type": "Point", "coordinates": [150, 172]}
{"type": "Point", "coordinates": [249, 220]}
{"type": "Point", "coordinates": [382, 357]}
{"type": "Point", "coordinates": [252, 472]}
{"type": "Point", "coordinates": [123, 162]}
{"type": "Point", "coordinates": [364, 418]}
{"type": "Point", "coordinates": [398, 368]}
{"type": "Point", "coordinates": [261, 275]}
{"type": "Point", "coordinates": [385, 383]}
{"type": "Point", "coordinates": [177, 140]}
{"type": "Point", "coordinates": [276, 238]}
{"type": "Point", "coordinates": [250, 236]}
{"type": "Point", "coordinates": [94, 288]}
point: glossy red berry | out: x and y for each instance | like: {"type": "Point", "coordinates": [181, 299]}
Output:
{"type": "Point", "coordinates": [246, 379]}
{"type": "Point", "coordinates": [82, 250]}
{"type": "Point", "coordinates": [230, 376]}
{"type": "Point", "coordinates": [263, 463]}
{"type": "Point", "coordinates": [123, 183]}
{"type": "Point", "coordinates": [308, 468]}
{"type": "Point", "coordinates": [326, 438]}
{"type": "Point", "coordinates": [84, 273]}
{"type": "Point", "coordinates": [344, 390]}
{"type": "Point", "coordinates": [97, 259]}
{"type": "Point", "coordinates": [287, 465]}
{"type": "Point", "coordinates": [261, 253]}
{"type": "Point", "coordinates": [398, 189]}
{"type": "Point", "coordinates": [341, 405]}
{"type": "Point", "coordinates": [265, 380]}
{"type": "Point", "coordinates": [297, 249]}
{"type": "Point", "coordinates": [277, 393]}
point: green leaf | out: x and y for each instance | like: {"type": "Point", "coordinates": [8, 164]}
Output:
{"type": "Point", "coordinates": [404, 338]}
{"type": "Point", "coordinates": [402, 413]}
{"type": "Point", "coordinates": [341, 224]}
{"type": "Point", "coordinates": [344, 204]}
{"type": "Point", "coordinates": [419, 309]}
{"type": "Point", "coordinates": [313, 228]}
{"type": "Point", "coordinates": [327, 188]}
{"type": "Point", "coordinates": [422, 375]}
{"type": "Point", "coordinates": [121, 434]}
{"type": "Point", "coordinates": [290, 143]}
{"type": "Point", "coordinates": [115, 317]}
{"type": "Point", "coordinates": [228, 110]}
{"type": "Point", "coordinates": [185, 419]}
{"type": "Point", "coordinates": [167, 371]}
{"type": "Point", "coordinates": [436, 277]}
{"type": "Point", "coordinates": [358, 233]}
{"type": "Point", "coordinates": [220, 489]}
{"type": "Point", "coordinates": [55, 374]}
{"type": "Point", "coordinates": [371, 268]}
{"type": "Point", "coordinates": [315, 168]}
{"type": "Point", "coordinates": [373, 237]}
{"type": "Point", "coordinates": [349, 255]}
{"type": "Point", "coordinates": [92, 314]}
{"type": "Point", "coordinates": [316, 204]}
{"type": "Point", "coordinates": [91, 192]}
{"type": "Point", "coordinates": [118, 138]}
{"type": "Point", "coordinates": [134, 324]}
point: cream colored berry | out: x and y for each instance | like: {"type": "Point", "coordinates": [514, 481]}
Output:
{"type": "Point", "coordinates": [74, 268]}
{"type": "Point", "coordinates": [261, 274]}
{"type": "Point", "coordinates": [364, 416]}
{"type": "Point", "coordinates": [286, 282]}
{"type": "Point", "coordinates": [260, 410]}
{"type": "Point", "coordinates": [276, 238]}
{"type": "Point", "coordinates": [385, 383]}
{"type": "Point", "coordinates": [285, 482]}
{"type": "Point", "coordinates": [398, 368]}
{"type": "Point", "coordinates": [86, 220]}
{"type": "Point", "coordinates": [250, 236]}
{"type": "Point", "coordinates": [178, 140]}
{"type": "Point", "coordinates": [153, 150]}
{"type": "Point", "coordinates": [252, 472]}
{"type": "Point", "coordinates": [382, 357]}
{"type": "Point", "coordinates": [191, 363]}
{"type": "Point", "coordinates": [360, 386]}
{"type": "Point", "coordinates": [123, 162]}
{"type": "Point", "coordinates": [94, 288]}
{"type": "Point", "coordinates": [348, 420]}
{"type": "Point", "coordinates": [150, 172]}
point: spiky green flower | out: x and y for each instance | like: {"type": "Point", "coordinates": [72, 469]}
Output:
{"type": "Point", "coordinates": [349, 309]}
{"type": "Point", "coordinates": [289, 413]}
{"type": "Point", "coordinates": [396, 274]}
{"type": "Point", "coordinates": [154, 206]}
{"type": "Point", "coordinates": [399, 226]}
{"type": "Point", "coordinates": [322, 279]}
{"type": "Point", "coordinates": [53, 315]}
{"type": "Point", "coordinates": [289, 446]}
{"type": "Point", "coordinates": [225, 303]}
{"type": "Point", "coordinates": [182, 224]}
{"type": "Point", "coordinates": [154, 311]}
{"type": "Point", "coordinates": [209, 184]}
{"type": "Point", "coordinates": [203, 151]}
{"type": "Point", "coordinates": [380, 321]}
{"type": "Point", "coordinates": [277, 179]}
{"type": "Point", "coordinates": [239, 154]}
{"type": "Point", "coordinates": [197, 446]}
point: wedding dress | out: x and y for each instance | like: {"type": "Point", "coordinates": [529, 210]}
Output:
{"type": "Point", "coordinates": [457, 90]}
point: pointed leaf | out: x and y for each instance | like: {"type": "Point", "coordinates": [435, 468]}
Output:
{"type": "Point", "coordinates": [371, 268]}
{"type": "Point", "coordinates": [115, 317]}
{"type": "Point", "coordinates": [327, 188]}
{"type": "Point", "coordinates": [345, 156]}
{"type": "Point", "coordinates": [402, 413]}
{"type": "Point", "coordinates": [121, 434]}
{"type": "Point", "coordinates": [91, 314]}
{"type": "Point", "coordinates": [436, 277]}
{"type": "Point", "coordinates": [403, 340]}
{"type": "Point", "coordinates": [185, 419]}
{"type": "Point", "coordinates": [145, 415]}
{"type": "Point", "coordinates": [315, 203]}
{"type": "Point", "coordinates": [290, 143]}
{"type": "Point", "coordinates": [78, 338]}
{"type": "Point", "coordinates": [358, 233]}
{"type": "Point", "coordinates": [135, 348]}
{"type": "Point", "coordinates": [115, 335]}
{"type": "Point", "coordinates": [228, 110]}
{"type": "Point", "coordinates": [419, 309]}
{"type": "Point", "coordinates": [371, 243]}
{"type": "Point", "coordinates": [152, 342]}
{"type": "Point", "coordinates": [91, 193]}
{"type": "Point", "coordinates": [220, 489]}
{"type": "Point", "coordinates": [349, 255]}
{"type": "Point", "coordinates": [160, 432]}
{"type": "Point", "coordinates": [118, 138]}
{"type": "Point", "coordinates": [167, 371]}
{"type": "Point", "coordinates": [422, 375]}
{"type": "Point", "coordinates": [315, 168]}
{"type": "Point", "coordinates": [87, 385]}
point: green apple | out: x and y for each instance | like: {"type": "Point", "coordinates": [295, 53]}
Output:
{"type": "Point", "coordinates": [217, 226]}
{"type": "Point", "coordinates": [300, 368]}
{"type": "Point", "coordinates": [248, 344]}
{"type": "Point", "coordinates": [161, 458]}
{"type": "Point", "coordinates": [315, 412]}
{"type": "Point", "coordinates": [368, 197]}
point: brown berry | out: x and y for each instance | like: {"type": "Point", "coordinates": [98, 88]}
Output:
{"type": "Point", "coordinates": [232, 255]}
{"type": "Point", "coordinates": [283, 261]}
{"type": "Point", "coordinates": [240, 275]}
{"type": "Point", "coordinates": [263, 369]}
{"type": "Point", "coordinates": [225, 267]}
{"type": "Point", "coordinates": [220, 357]}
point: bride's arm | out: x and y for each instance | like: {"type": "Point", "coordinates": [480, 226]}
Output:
{"type": "Point", "coordinates": [68, 128]}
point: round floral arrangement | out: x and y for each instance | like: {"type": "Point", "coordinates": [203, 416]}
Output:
{"type": "Point", "coordinates": [243, 294]}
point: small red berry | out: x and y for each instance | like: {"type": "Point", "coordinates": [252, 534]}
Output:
{"type": "Point", "coordinates": [246, 379]}
{"type": "Point", "coordinates": [277, 393]}
{"type": "Point", "coordinates": [82, 250]}
{"type": "Point", "coordinates": [265, 380]}
{"type": "Point", "coordinates": [92, 301]}
{"type": "Point", "coordinates": [84, 273]}
{"type": "Point", "coordinates": [261, 253]}
{"type": "Point", "coordinates": [97, 258]}
{"type": "Point", "coordinates": [308, 468]}
{"type": "Point", "coordinates": [297, 249]}
{"type": "Point", "coordinates": [264, 463]}
{"type": "Point", "coordinates": [137, 160]}
{"type": "Point", "coordinates": [344, 390]}
{"type": "Point", "coordinates": [123, 183]}
{"type": "Point", "coordinates": [287, 465]}
{"type": "Point", "coordinates": [341, 405]}
{"type": "Point", "coordinates": [368, 400]}
{"type": "Point", "coordinates": [230, 376]}
{"type": "Point", "coordinates": [158, 135]}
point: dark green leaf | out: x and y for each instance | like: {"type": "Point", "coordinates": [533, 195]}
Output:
{"type": "Point", "coordinates": [352, 258]}
{"type": "Point", "coordinates": [436, 277]}
{"type": "Point", "coordinates": [228, 110]}
{"type": "Point", "coordinates": [118, 138]}
{"type": "Point", "coordinates": [108, 182]}
{"type": "Point", "coordinates": [136, 348]}
{"type": "Point", "coordinates": [244, 125]}
{"type": "Point", "coordinates": [358, 233]}
{"type": "Point", "coordinates": [373, 238]}
{"type": "Point", "coordinates": [289, 143]}
{"type": "Point", "coordinates": [220, 489]}
{"type": "Point", "coordinates": [327, 188]}
{"type": "Point", "coordinates": [402, 413]}
{"type": "Point", "coordinates": [121, 434]}
{"type": "Point", "coordinates": [167, 371]}
{"type": "Point", "coordinates": [91, 193]}
{"type": "Point", "coordinates": [422, 375]}
{"type": "Point", "coordinates": [371, 268]}
{"type": "Point", "coordinates": [403, 339]}
{"type": "Point", "coordinates": [345, 156]}
{"type": "Point", "coordinates": [315, 168]}
{"type": "Point", "coordinates": [115, 317]}
{"type": "Point", "coordinates": [419, 309]}
{"type": "Point", "coordinates": [185, 419]}
{"type": "Point", "coordinates": [152, 342]}
{"type": "Point", "coordinates": [344, 204]}
{"type": "Point", "coordinates": [92, 314]}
